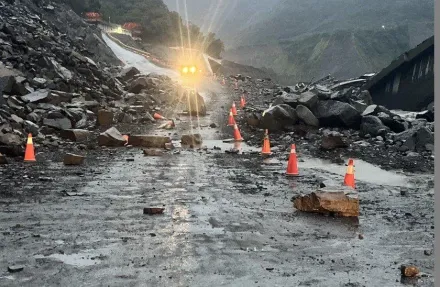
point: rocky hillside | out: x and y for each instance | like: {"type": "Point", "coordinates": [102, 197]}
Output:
{"type": "Point", "coordinates": [56, 74]}
{"type": "Point", "coordinates": [225, 18]}
{"type": "Point", "coordinates": [343, 54]}
{"type": "Point", "coordinates": [308, 39]}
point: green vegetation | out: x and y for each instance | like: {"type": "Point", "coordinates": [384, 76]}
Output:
{"type": "Point", "coordinates": [342, 53]}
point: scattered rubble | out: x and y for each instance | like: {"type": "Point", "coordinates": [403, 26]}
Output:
{"type": "Point", "coordinates": [307, 113]}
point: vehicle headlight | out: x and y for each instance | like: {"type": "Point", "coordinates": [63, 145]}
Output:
{"type": "Point", "coordinates": [193, 69]}
{"type": "Point", "coordinates": [185, 70]}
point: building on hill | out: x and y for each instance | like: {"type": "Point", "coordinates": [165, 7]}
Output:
{"type": "Point", "coordinates": [408, 82]}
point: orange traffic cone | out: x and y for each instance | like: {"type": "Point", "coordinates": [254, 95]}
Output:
{"type": "Point", "coordinates": [242, 102]}
{"type": "Point", "coordinates": [349, 176]}
{"type": "Point", "coordinates": [234, 109]}
{"type": "Point", "coordinates": [266, 145]}
{"type": "Point", "coordinates": [29, 154]}
{"type": "Point", "coordinates": [237, 135]}
{"type": "Point", "coordinates": [156, 116]}
{"type": "Point", "coordinates": [231, 121]}
{"type": "Point", "coordinates": [292, 166]}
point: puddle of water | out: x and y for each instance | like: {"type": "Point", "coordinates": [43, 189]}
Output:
{"type": "Point", "coordinates": [364, 171]}
{"type": "Point", "coordinates": [410, 116]}
{"type": "Point", "coordinates": [10, 277]}
{"type": "Point", "coordinates": [79, 259]}
{"type": "Point", "coordinates": [220, 146]}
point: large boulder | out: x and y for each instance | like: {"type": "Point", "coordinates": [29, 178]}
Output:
{"type": "Point", "coordinates": [373, 126]}
{"type": "Point", "coordinates": [288, 99]}
{"type": "Point", "coordinates": [337, 114]}
{"type": "Point", "coordinates": [105, 117]}
{"type": "Point", "coordinates": [76, 135]}
{"type": "Point", "coordinates": [6, 85]}
{"type": "Point", "coordinates": [305, 115]}
{"type": "Point", "coordinates": [31, 127]}
{"type": "Point", "coordinates": [395, 124]}
{"type": "Point", "coordinates": [58, 123]}
{"type": "Point", "coordinates": [112, 138]}
{"type": "Point", "coordinates": [128, 73]}
{"type": "Point", "coordinates": [416, 139]}
{"type": "Point", "coordinates": [333, 201]}
{"type": "Point", "coordinates": [139, 84]}
{"type": "Point", "coordinates": [197, 105]}
{"type": "Point", "coordinates": [278, 117]}
{"type": "Point", "coordinates": [308, 99]}
{"type": "Point", "coordinates": [11, 144]}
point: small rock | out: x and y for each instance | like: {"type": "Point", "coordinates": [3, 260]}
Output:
{"type": "Point", "coordinates": [332, 142]}
{"type": "Point", "coordinates": [73, 159]}
{"type": "Point", "coordinates": [153, 210]}
{"type": "Point", "coordinates": [3, 159]}
{"type": "Point", "coordinates": [15, 268]}
{"type": "Point", "coordinates": [361, 236]}
{"type": "Point", "coordinates": [148, 141]}
{"type": "Point", "coordinates": [213, 125]}
{"type": "Point", "coordinates": [428, 252]}
{"type": "Point", "coordinates": [409, 271]}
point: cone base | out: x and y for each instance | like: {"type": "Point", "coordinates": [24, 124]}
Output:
{"type": "Point", "coordinates": [30, 160]}
{"type": "Point", "coordinates": [238, 140]}
{"type": "Point", "coordinates": [293, 174]}
{"type": "Point", "coordinates": [267, 153]}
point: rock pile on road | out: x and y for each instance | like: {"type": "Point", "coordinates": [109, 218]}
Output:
{"type": "Point", "coordinates": [333, 120]}
{"type": "Point", "coordinates": [59, 80]}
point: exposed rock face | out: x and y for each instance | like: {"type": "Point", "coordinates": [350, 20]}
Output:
{"type": "Point", "coordinates": [337, 201]}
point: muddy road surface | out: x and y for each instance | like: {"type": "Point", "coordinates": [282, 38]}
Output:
{"type": "Point", "coordinates": [228, 219]}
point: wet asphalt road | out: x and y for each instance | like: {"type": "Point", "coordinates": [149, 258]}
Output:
{"type": "Point", "coordinates": [228, 221]}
